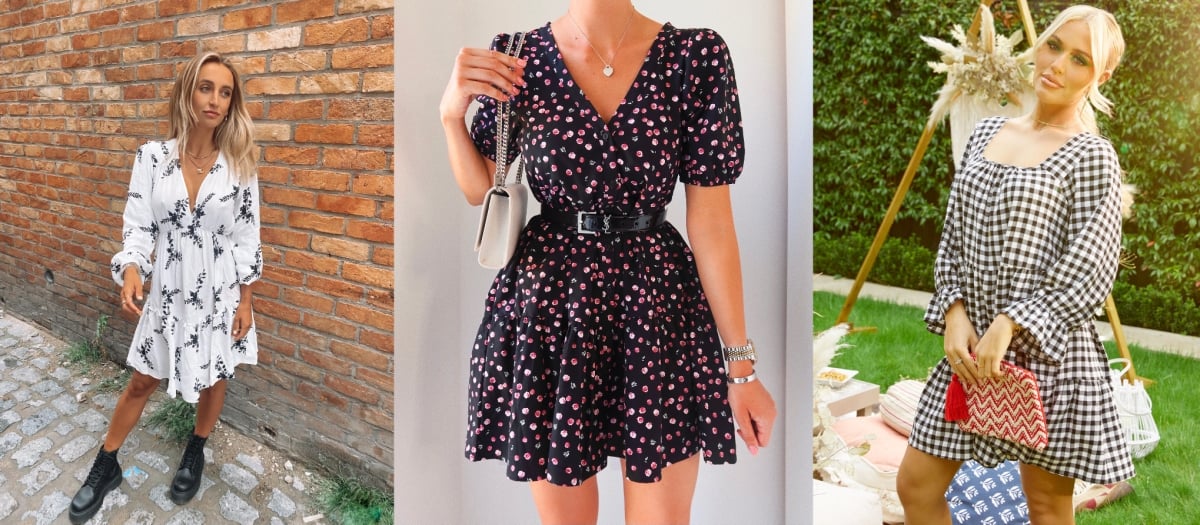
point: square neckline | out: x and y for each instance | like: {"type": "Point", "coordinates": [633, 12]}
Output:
{"type": "Point", "coordinates": [662, 31]}
{"type": "Point", "coordinates": [1058, 151]}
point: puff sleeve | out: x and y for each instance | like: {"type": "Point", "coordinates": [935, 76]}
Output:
{"type": "Point", "coordinates": [483, 124]}
{"type": "Point", "coordinates": [139, 229]}
{"type": "Point", "coordinates": [712, 120]}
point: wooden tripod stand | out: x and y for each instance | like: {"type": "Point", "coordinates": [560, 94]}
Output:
{"type": "Point", "coordinates": [1110, 307]}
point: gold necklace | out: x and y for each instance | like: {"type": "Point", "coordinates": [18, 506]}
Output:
{"type": "Point", "coordinates": [1044, 123]}
{"type": "Point", "coordinates": [200, 169]}
{"type": "Point", "coordinates": [204, 157]}
{"type": "Point", "coordinates": [608, 69]}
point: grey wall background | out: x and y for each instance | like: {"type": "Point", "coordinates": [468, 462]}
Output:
{"type": "Point", "coordinates": [798, 481]}
{"type": "Point", "coordinates": [440, 289]}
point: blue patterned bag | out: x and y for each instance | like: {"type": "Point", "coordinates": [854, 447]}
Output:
{"type": "Point", "coordinates": [983, 496]}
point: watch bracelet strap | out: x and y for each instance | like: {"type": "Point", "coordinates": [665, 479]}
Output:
{"type": "Point", "coordinates": [740, 353]}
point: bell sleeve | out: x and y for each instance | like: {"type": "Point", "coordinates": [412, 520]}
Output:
{"type": "Point", "coordinates": [713, 146]}
{"type": "Point", "coordinates": [1082, 277]}
{"type": "Point", "coordinates": [139, 229]}
{"type": "Point", "coordinates": [483, 125]}
{"type": "Point", "coordinates": [947, 280]}
{"type": "Point", "coordinates": [245, 235]}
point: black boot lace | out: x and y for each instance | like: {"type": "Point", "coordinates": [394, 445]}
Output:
{"type": "Point", "coordinates": [104, 464]}
{"type": "Point", "coordinates": [193, 453]}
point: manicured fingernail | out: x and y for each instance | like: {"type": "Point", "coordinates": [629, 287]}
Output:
{"type": "Point", "coordinates": [753, 450]}
{"type": "Point", "coordinates": [521, 62]}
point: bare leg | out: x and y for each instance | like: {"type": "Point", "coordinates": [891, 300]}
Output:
{"type": "Point", "coordinates": [922, 483]}
{"type": "Point", "coordinates": [667, 502]}
{"type": "Point", "coordinates": [558, 505]}
{"type": "Point", "coordinates": [212, 400]}
{"type": "Point", "coordinates": [129, 409]}
{"type": "Point", "coordinates": [1049, 496]}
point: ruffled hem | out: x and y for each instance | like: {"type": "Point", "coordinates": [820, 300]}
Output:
{"type": "Point", "coordinates": [191, 359]}
{"type": "Point", "coordinates": [622, 362]}
{"type": "Point", "coordinates": [1086, 438]}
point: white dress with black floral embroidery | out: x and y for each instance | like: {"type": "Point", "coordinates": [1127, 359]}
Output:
{"type": "Point", "coordinates": [196, 260]}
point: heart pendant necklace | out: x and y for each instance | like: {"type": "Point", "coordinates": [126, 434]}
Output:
{"type": "Point", "coordinates": [608, 69]}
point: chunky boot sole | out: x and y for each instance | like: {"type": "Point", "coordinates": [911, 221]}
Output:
{"type": "Point", "coordinates": [181, 497]}
{"type": "Point", "coordinates": [79, 517]}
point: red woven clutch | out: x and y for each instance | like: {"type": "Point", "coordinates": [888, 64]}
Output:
{"type": "Point", "coordinates": [1008, 407]}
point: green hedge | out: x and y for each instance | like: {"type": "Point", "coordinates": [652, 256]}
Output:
{"type": "Point", "coordinates": [901, 262]}
{"type": "Point", "coordinates": [872, 92]}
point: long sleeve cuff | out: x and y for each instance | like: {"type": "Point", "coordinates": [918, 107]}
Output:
{"type": "Point", "coordinates": [935, 313]}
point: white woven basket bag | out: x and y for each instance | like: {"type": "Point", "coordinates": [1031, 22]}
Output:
{"type": "Point", "coordinates": [1134, 406]}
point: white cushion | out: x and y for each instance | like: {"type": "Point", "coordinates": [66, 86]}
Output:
{"type": "Point", "coordinates": [899, 405]}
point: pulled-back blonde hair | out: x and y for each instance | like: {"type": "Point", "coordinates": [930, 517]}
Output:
{"type": "Point", "coordinates": [1108, 45]}
{"type": "Point", "coordinates": [234, 136]}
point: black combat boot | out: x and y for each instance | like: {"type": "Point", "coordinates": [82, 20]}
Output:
{"type": "Point", "coordinates": [191, 467]}
{"type": "Point", "coordinates": [103, 478]}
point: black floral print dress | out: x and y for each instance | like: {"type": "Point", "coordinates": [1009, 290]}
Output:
{"type": "Point", "coordinates": [598, 346]}
{"type": "Point", "coordinates": [1040, 244]}
{"type": "Point", "coordinates": [197, 260]}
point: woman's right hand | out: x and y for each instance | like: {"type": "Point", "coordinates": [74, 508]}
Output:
{"type": "Point", "coordinates": [480, 72]}
{"type": "Point", "coordinates": [959, 343]}
{"type": "Point", "coordinates": [131, 291]}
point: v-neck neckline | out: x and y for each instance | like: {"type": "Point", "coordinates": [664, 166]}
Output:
{"type": "Point", "coordinates": [191, 207]}
{"type": "Point", "coordinates": [628, 90]}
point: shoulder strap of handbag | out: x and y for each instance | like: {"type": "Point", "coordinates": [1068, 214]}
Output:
{"type": "Point", "coordinates": [504, 113]}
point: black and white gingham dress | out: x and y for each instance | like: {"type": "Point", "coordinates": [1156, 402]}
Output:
{"type": "Point", "coordinates": [1040, 244]}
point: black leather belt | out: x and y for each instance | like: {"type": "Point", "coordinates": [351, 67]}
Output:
{"type": "Point", "coordinates": [596, 223]}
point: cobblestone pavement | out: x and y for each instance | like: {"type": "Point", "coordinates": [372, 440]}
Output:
{"type": "Point", "coordinates": [53, 417]}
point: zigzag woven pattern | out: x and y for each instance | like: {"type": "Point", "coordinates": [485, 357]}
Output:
{"type": "Point", "coordinates": [1007, 407]}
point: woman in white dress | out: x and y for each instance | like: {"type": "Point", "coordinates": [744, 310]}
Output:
{"type": "Point", "coordinates": [191, 223]}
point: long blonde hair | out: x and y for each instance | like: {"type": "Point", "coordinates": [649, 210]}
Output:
{"type": "Point", "coordinates": [234, 136]}
{"type": "Point", "coordinates": [1108, 45]}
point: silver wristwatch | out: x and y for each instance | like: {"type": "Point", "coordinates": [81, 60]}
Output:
{"type": "Point", "coordinates": [741, 353]}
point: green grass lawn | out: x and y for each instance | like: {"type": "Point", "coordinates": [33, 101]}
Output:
{"type": "Point", "coordinates": [1166, 486]}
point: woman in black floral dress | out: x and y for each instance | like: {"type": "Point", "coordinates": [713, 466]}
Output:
{"type": "Point", "coordinates": [609, 343]}
{"type": "Point", "coordinates": [1029, 251]}
{"type": "Point", "coordinates": [191, 221]}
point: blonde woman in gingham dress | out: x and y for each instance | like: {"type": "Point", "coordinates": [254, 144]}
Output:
{"type": "Point", "coordinates": [1029, 251]}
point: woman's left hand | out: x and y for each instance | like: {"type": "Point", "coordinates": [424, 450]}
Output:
{"type": "Point", "coordinates": [754, 413]}
{"type": "Point", "coordinates": [243, 320]}
{"type": "Point", "coordinates": [990, 349]}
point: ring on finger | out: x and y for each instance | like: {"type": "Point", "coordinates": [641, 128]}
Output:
{"type": "Point", "coordinates": [958, 361]}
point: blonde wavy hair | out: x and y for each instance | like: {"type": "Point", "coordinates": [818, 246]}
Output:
{"type": "Point", "coordinates": [234, 136]}
{"type": "Point", "coordinates": [1108, 45]}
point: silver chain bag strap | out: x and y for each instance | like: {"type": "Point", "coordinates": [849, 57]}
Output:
{"type": "Point", "coordinates": [504, 205]}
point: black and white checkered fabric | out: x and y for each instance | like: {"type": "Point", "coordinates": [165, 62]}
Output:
{"type": "Point", "coordinates": [1040, 244]}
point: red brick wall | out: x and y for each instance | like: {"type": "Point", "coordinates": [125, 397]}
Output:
{"type": "Point", "coordinates": [84, 82]}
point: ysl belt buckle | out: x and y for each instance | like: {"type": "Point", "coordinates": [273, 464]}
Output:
{"type": "Point", "coordinates": [580, 228]}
